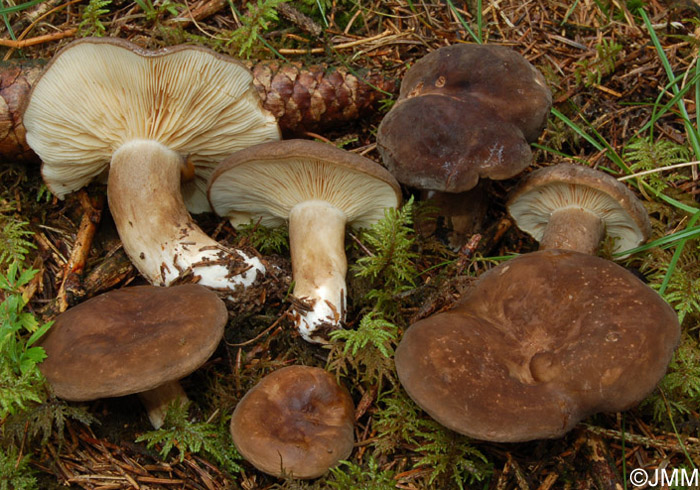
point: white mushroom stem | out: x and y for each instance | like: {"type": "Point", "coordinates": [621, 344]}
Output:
{"type": "Point", "coordinates": [159, 399]}
{"type": "Point", "coordinates": [573, 228]}
{"type": "Point", "coordinates": [157, 232]}
{"type": "Point", "coordinates": [319, 265]}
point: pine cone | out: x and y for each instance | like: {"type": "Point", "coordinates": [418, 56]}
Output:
{"type": "Point", "coordinates": [309, 98]}
{"type": "Point", "coordinates": [16, 79]}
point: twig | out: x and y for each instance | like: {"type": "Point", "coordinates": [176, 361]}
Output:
{"type": "Point", "coordinates": [254, 339]}
{"type": "Point", "coordinates": [31, 26]}
{"type": "Point", "coordinates": [92, 212]}
{"type": "Point", "coordinates": [350, 44]}
{"type": "Point", "coordinates": [660, 169]}
{"type": "Point", "coordinates": [9, 43]}
{"type": "Point", "coordinates": [692, 444]}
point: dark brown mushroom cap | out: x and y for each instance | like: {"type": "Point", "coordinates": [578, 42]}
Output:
{"type": "Point", "coordinates": [297, 420]}
{"type": "Point", "coordinates": [496, 76]}
{"type": "Point", "coordinates": [464, 112]}
{"type": "Point", "coordinates": [439, 143]}
{"type": "Point", "coordinates": [548, 189]}
{"type": "Point", "coordinates": [132, 340]}
{"type": "Point", "coordinates": [541, 342]}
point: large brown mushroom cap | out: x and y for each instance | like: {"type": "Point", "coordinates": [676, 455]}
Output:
{"type": "Point", "coordinates": [297, 421]}
{"type": "Point", "coordinates": [566, 186]}
{"type": "Point", "coordinates": [541, 342]}
{"type": "Point", "coordinates": [99, 93]}
{"type": "Point", "coordinates": [464, 112]}
{"type": "Point", "coordinates": [132, 340]}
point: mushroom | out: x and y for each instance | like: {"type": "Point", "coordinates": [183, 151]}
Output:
{"type": "Point", "coordinates": [149, 119]}
{"type": "Point", "coordinates": [318, 189]}
{"type": "Point", "coordinates": [464, 113]}
{"type": "Point", "coordinates": [297, 421]}
{"type": "Point", "coordinates": [573, 207]}
{"type": "Point", "coordinates": [140, 339]}
{"type": "Point", "coordinates": [540, 342]}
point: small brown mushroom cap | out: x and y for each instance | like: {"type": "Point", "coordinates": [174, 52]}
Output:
{"type": "Point", "coordinates": [541, 342]}
{"type": "Point", "coordinates": [132, 340]}
{"type": "Point", "coordinates": [465, 112]}
{"type": "Point", "coordinates": [562, 186]}
{"type": "Point", "coordinates": [297, 421]}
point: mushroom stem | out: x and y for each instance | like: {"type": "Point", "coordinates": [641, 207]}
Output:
{"type": "Point", "coordinates": [157, 232]}
{"type": "Point", "coordinates": [573, 228]}
{"type": "Point", "coordinates": [319, 265]}
{"type": "Point", "coordinates": [463, 212]}
{"type": "Point", "coordinates": [158, 399]}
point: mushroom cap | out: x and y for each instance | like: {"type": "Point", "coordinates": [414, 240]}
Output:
{"type": "Point", "coordinates": [541, 342]}
{"type": "Point", "coordinates": [497, 76]}
{"type": "Point", "coordinates": [439, 143]}
{"type": "Point", "coordinates": [266, 181]}
{"type": "Point", "coordinates": [98, 93]}
{"type": "Point", "coordinates": [132, 340]}
{"type": "Point", "coordinates": [576, 186]}
{"type": "Point", "coordinates": [296, 421]}
{"type": "Point", "coordinates": [464, 112]}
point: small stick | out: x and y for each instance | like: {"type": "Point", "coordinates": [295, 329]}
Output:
{"type": "Point", "coordinates": [35, 22]}
{"type": "Point", "coordinates": [92, 212]}
{"type": "Point", "coordinates": [200, 12]}
{"type": "Point", "coordinates": [349, 44]}
{"type": "Point", "coordinates": [9, 43]}
{"type": "Point", "coordinates": [250, 341]}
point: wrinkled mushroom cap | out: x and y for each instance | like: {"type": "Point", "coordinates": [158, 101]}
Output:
{"type": "Point", "coordinates": [465, 112]}
{"type": "Point", "coordinates": [98, 93]}
{"type": "Point", "coordinates": [132, 340]}
{"type": "Point", "coordinates": [297, 421]}
{"type": "Point", "coordinates": [541, 342]}
{"type": "Point", "coordinates": [266, 181]}
{"type": "Point", "coordinates": [576, 186]}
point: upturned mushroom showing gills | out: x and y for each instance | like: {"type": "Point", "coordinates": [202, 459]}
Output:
{"type": "Point", "coordinates": [150, 120]}
{"type": "Point", "coordinates": [140, 339]}
{"type": "Point", "coordinates": [296, 422]}
{"type": "Point", "coordinates": [540, 342]}
{"type": "Point", "coordinates": [574, 207]}
{"type": "Point", "coordinates": [464, 113]}
{"type": "Point", "coordinates": [319, 190]}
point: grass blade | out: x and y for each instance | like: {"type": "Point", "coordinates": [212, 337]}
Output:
{"type": "Point", "coordinates": [677, 254]}
{"type": "Point", "coordinates": [690, 130]}
{"type": "Point", "coordinates": [667, 241]}
{"type": "Point", "coordinates": [476, 37]}
{"type": "Point", "coordinates": [19, 8]}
